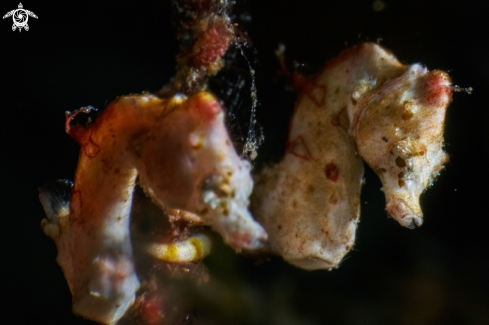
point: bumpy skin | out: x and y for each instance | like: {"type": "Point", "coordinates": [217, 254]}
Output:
{"type": "Point", "coordinates": [309, 203]}
{"type": "Point", "coordinates": [185, 160]}
{"type": "Point", "coordinates": [399, 132]}
{"type": "Point", "coordinates": [364, 103]}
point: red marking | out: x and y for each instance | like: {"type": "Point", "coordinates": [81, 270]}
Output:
{"type": "Point", "coordinates": [317, 93]}
{"type": "Point", "coordinates": [298, 148]}
{"type": "Point", "coordinates": [279, 227]}
{"type": "Point", "coordinates": [205, 106]}
{"type": "Point", "coordinates": [332, 172]}
{"type": "Point", "coordinates": [212, 45]}
{"type": "Point", "coordinates": [436, 88]}
{"type": "Point", "coordinates": [335, 121]}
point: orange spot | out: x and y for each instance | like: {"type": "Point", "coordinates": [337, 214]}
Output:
{"type": "Point", "coordinates": [204, 105]}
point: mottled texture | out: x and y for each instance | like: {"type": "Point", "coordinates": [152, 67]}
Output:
{"type": "Point", "coordinates": [309, 203]}
{"type": "Point", "coordinates": [185, 160]}
{"type": "Point", "coordinates": [399, 133]}
{"type": "Point", "coordinates": [362, 104]}
{"type": "Point", "coordinates": [206, 31]}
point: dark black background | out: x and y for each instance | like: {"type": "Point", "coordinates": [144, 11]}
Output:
{"type": "Point", "coordinates": [82, 53]}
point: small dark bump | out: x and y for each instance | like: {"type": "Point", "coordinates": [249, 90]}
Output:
{"type": "Point", "coordinates": [400, 162]}
{"type": "Point", "coordinates": [385, 139]}
{"type": "Point", "coordinates": [331, 172]}
{"type": "Point", "coordinates": [407, 115]}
